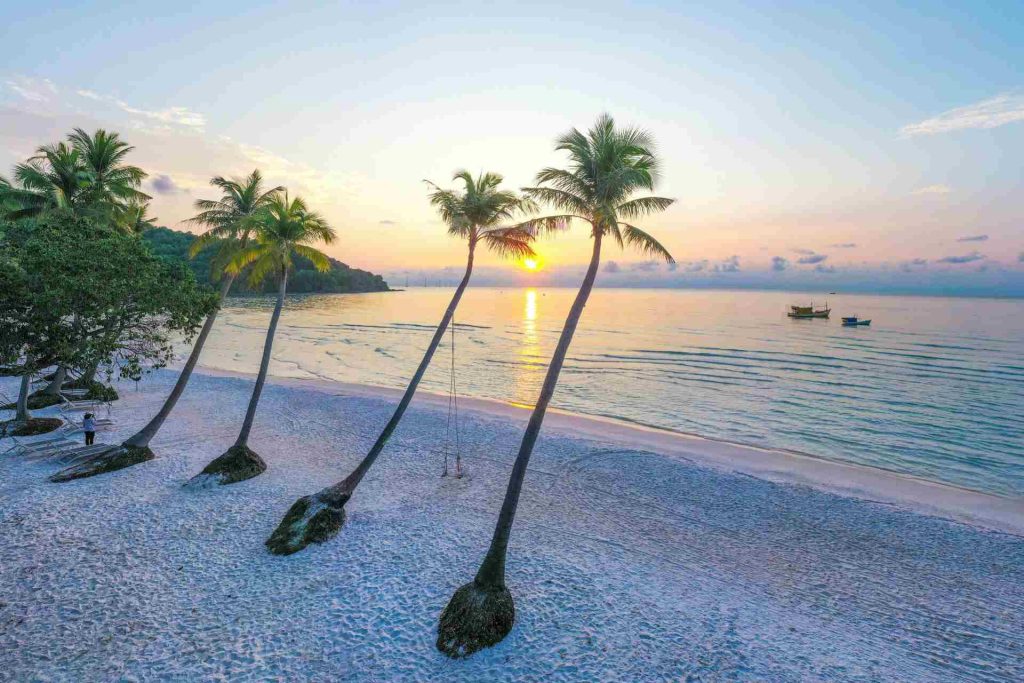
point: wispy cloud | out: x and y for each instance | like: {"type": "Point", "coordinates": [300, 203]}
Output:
{"type": "Point", "coordinates": [909, 266]}
{"type": "Point", "coordinates": [973, 238]}
{"type": "Point", "coordinates": [822, 268]}
{"type": "Point", "coordinates": [36, 90]}
{"type": "Point", "coordinates": [844, 245]}
{"type": "Point", "coordinates": [166, 117]}
{"type": "Point", "coordinates": [644, 267]}
{"type": "Point", "coordinates": [611, 267]}
{"type": "Point", "coordinates": [966, 258]}
{"type": "Point", "coordinates": [779, 263]}
{"type": "Point", "coordinates": [812, 259]}
{"type": "Point", "coordinates": [387, 222]}
{"type": "Point", "coordinates": [991, 113]}
{"type": "Point", "coordinates": [933, 189]}
{"type": "Point", "coordinates": [806, 252]}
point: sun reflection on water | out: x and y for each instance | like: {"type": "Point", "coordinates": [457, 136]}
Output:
{"type": "Point", "coordinates": [528, 369]}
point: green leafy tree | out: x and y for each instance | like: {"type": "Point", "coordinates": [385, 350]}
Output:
{"type": "Point", "coordinates": [476, 214]}
{"type": "Point", "coordinates": [286, 227]}
{"type": "Point", "coordinates": [607, 166]}
{"type": "Point", "coordinates": [62, 306]}
{"type": "Point", "coordinates": [230, 221]}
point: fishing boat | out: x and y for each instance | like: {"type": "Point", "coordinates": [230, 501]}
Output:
{"type": "Point", "coordinates": [804, 312]}
{"type": "Point", "coordinates": [853, 321]}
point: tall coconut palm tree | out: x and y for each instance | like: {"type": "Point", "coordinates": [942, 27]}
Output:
{"type": "Point", "coordinates": [230, 221]}
{"type": "Point", "coordinates": [607, 166]}
{"type": "Point", "coordinates": [286, 227]}
{"type": "Point", "coordinates": [110, 182]}
{"type": "Point", "coordinates": [55, 177]}
{"type": "Point", "coordinates": [475, 214]}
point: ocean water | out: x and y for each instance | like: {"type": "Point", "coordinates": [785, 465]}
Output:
{"type": "Point", "coordinates": [933, 388]}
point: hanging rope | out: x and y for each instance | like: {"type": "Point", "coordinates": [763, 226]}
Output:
{"type": "Point", "coordinates": [453, 417]}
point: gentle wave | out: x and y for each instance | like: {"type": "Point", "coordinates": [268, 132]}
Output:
{"type": "Point", "coordinates": [934, 388]}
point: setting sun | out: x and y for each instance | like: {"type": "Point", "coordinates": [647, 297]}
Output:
{"type": "Point", "coordinates": [530, 264]}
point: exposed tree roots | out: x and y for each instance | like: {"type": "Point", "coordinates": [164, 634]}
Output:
{"type": "Point", "coordinates": [237, 464]}
{"type": "Point", "coordinates": [476, 617]}
{"type": "Point", "coordinates": [311, 519]}
{"type": "Point", "coordinates": [34, 426]}
{"type": "Point", "coordinates": [114, 458]}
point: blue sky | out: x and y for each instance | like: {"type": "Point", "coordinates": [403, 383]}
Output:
{"type": "Point", "coordinates": [785, 128]}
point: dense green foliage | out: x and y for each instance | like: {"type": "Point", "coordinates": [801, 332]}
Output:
{"type": "Point", "coordinates": [173, 245]}
{"type": "Point", "coordinates": [79, 293]}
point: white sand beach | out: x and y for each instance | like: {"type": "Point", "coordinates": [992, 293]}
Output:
{"type": "Point", "coordinates": [637, 555]}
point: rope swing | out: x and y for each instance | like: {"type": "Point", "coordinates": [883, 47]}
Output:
{"type": "Point", "coordinates": [452, 426]}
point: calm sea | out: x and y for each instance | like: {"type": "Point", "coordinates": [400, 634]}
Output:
{"type": "Point", "coordinates": [934, 387]}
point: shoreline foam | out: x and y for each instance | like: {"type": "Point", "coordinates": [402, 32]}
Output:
{"type": "Point", "coordinates": [979, 508]}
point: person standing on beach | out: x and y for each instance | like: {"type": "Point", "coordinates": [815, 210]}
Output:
{"type": "Point", "coordinates": [89, 427]}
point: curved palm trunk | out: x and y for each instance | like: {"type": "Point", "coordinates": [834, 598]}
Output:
{"type": "Point", "coordinates": [492, 570]}
{"type": "Point", "coordinates": [481, 613]}
{"type": "Point", "coordinates": [261, 378]}
{"type": "Point", "coordinates": [348, 486]}
{"type": "Point", "coordinates": [318, 517]}
{"type": "Point", "coordinates": [22, 414]}
{"type": "Point", "coordinates": [142, 437]}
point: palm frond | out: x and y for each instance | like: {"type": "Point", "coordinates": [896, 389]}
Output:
{"type": "Point", "coordinates": [319, 259]}
{"type": "Point", "coordinates": [643, 206]}
{"type": "Point", "coordinates": [645, 243]}
{"type": "Point", "coordinates": [548, 224]}
{"type": "Point", "coordinates": [510, 243]}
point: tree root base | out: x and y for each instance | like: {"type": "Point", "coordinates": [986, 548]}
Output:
{"type": "Point", "coordinates": [114, 458]}
{"type": "Point", "coordinates": [311, 519]}
{"type": "Point", "coordinates": [237, 464]}
{"type": "Point", "coordinates": [32, 427]}
{"type": "Point", "coordinates": [476, 617]}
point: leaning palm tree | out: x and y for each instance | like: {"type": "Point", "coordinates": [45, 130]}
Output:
{"type": "Point", "coordinates": [286, 227]}
{"type": "Point", "coordinates": [230, 221]}
{"type": "Point", "coordinates": [606, 167]}
{"type": "Point", "coordinates": [475, 215]}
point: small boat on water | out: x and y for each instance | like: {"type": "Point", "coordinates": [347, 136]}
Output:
{"type": "Point", "coordinates": [853, 321]}
{"type": "Point", "coordinates": [804, 312]}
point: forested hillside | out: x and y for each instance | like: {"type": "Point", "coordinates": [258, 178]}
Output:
{"type": "Point", "coordinates": [174, 245]}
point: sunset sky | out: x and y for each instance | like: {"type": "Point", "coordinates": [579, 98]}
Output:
{"type": "Point", "coordinates": [808, 144]}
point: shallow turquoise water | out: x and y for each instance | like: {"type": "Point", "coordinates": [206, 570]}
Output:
{"type": "Point", "coordinates": [934, 388]}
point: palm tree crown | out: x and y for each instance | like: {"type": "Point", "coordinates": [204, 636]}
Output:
{"type": "Point", "coordinates": [285, 227]}
{"type": "Point", "coordinates": [232, 218]}
{"type": "Point", "coordinates": [87, 171]}
{"type": "Point", "coordinates": [108, 179]}
{"type": "Point", "coordinates": [476, 214]}
{"type": "Point", "coordinates": [606, 167]}
{"type": "Point", "coordinates": [52, 178]}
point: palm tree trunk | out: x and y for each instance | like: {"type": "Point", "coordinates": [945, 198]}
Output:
{"type": "Point", "coordinates": [492, 570]}
{"type": "Point", "coordinates": [250, 413]}
{"type": "Point", "coordinates": [22, 414]}
{"type": "Point", "coordinates": [346, 487]}
{"type": "Point", "coordinates": [142, 437]}
{"type": "Point", "coordinates": [54, 387]}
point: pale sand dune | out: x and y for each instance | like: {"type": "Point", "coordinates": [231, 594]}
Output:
{"type": "Point", "coordinates": [637, 555]}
